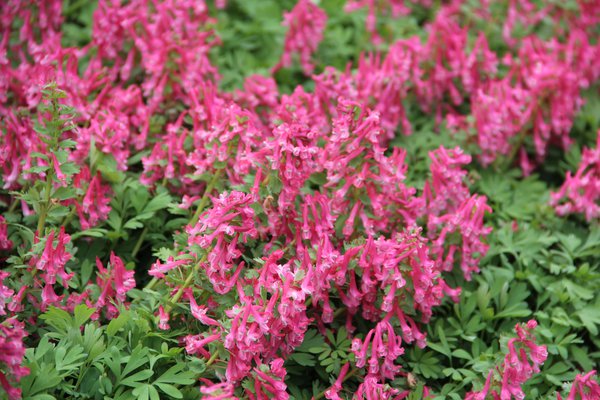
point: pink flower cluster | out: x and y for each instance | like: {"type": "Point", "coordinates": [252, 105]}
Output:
{"type": "Point", "coordinates": [584, 387]}
{"type": "Point", "coordinates": [370, 274]}
{"type": "Point", "coordinates": [317, 220]}
{"type": "Point", "coordinates": [443, 72]}
{"type": "Point", "coordinates": [580, 193]}
{"type": "Point", "coordinates": [450, 208]}
{"type": "Point", "coordinates": [114, 283]}
{"type": "Point", "coordinates": [229, 221]}
{"type": "Point", "coordinates": [12, 351]}
{"type": "Point", "coordinates": [522, 361]}
{"type": "Point", "coordinates": [395, 7]}
{"type": "Point", "coordinates": [306, 23]}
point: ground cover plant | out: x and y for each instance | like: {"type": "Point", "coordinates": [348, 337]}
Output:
{"type": "Point", "coordinates": [256, 199]}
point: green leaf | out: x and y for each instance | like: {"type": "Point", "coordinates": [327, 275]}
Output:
{"type": "Point", "coordinates": [116, 324]}
{"type": "Point", "coordinates": [304, 359]}
{"type": "Point", "coordinates": [169, 390]}
{"type": "Point", "coordinates": [82, 314]}
{"type": "Point", "coordinates": [460, 353]}
{"type": "Point", "coordinates": [58, 319]}
{"type": "Point", "coordinates": [139, 357]}
{"type": "Point", "coordinates": [175, 376]}
{"type": "Point", "coordinates": [590, 318]}
{"type": "Point", "coordinates": [135, 379]}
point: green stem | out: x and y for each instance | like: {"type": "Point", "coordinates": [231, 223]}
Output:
{"type": "Point", "coordinates": [187, 282]}
{"type": "Point", "coordinates": [338, 312]}
{"type": "Point", "coordinates": [348, 376]}
{"type": "Point", "coordinates": [13, 205]}
{"type": "Point", "coordinates": [151, 284]}
{"type": "Point", "coordinates": [53, 145]}
{"type": "Point", "coordinates": [517, 146]}
{"type": "Point", "coordinates": [44, 211]}
{"type": "Point", "coordinates": [139, 242]}
{"type": "Point", "coordinates": [212, 358]}
{"type": "Point", "coordinates": [69, 217]}
{"type": "Point", "coordinates": [204, 199]}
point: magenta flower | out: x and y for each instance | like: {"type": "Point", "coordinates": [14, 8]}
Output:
{"type": "Point", "coordinates": [114, 283]}
{"type": "Point", "coordinates": [52, 261]}
{"type": "Point", "coordinates": [499, 111]}
{"type": "Point", "coordinates": [585, 386]}
{"type": "Point", "coordinates": [95, 205]}
{"type": "Point", "coordinates": [5, 242]}
{"type": "Point", "coordinates": [217, 391]}
{"type": "Point", "coordinates": [12, 351]}
{"type": "Point", "coordinates": [522, 361]}
{"type": "Point", "coordinates": [6, 293]}
{"type": "Point", "coordinates": [580, 193]}
{"type": "Point", "coordinates": [158, 269]}
{"type": "Point", "coordinates": [450, 208]}
{"type": "Point", "coordinates": [163, 319]}
{"type": "Point", "coordinates": [229, 221]}
{"type": "Point", "coordinates": [306, 23]}
{"type": "Point", "coordinates": [384, 345]}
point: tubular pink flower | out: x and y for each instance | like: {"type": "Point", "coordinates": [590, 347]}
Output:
{"type": "Point", "coordinates": [580, 193]}
{"type": "Point", "coordinates": [12, 352]}
{"type": "Point", "coordinates": [306, 23]}
{"type": "Point", "coordinates": [52, 261]}
{"type": "Point", "coordinates": [114, 283]}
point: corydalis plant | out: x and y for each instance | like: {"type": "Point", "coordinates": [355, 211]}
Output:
{"type": "Point", "coordinates": [52, 164]}
{"type": "Point", "coordinates": [522, 361]}
{"type": "Point", "coordinates": [580, 193]}
{"type": "Point", "coordinates": [305, 23]}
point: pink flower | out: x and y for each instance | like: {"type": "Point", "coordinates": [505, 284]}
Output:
{"type": "Point", "coordinates": [217, 391]}
{"type": "Point", "coordinates": [12, 351]}
{"type": "Point", "coordinates": [163, 319]}
{"type": "Point", "coordinates": [158, 269]}
{"type": "Point", "coordinates": [372, 388]}
{"type": "Point", "coordinates": [468, 220]}
{"type": "Point", "coordinates": [269, 381]}
{"type": "Point", "coordinates": [114, 283]}
{"type": "Point", "coordinates": [446, 189]}
{"type": "Point", "coordinates": [384, 345]}
{"type": "Point", "coordinates": [219, 230]}
{"type": "Point", "coordinates": [450, 208]}
{"type": "Point", "coordinates": [499, 110]}
{"type": "Point", "coordinates": [5, 242]}
{"type": "Point", "coordinates": [52, 261]}
{"type": "Point", "coordinates": [194, 344]}
{"type": "Point", "coordinates": [580, 193]}
{"type": "Point", "coordinates": [306, 23]}
{"type": "Point", "coordinates": [199, 312]}
{"type": "Point", "coordinates": [62, 178]}
{"type": "Point", "coordinates": [333, 392]}
{"type": "Point", "coordinates": [5, 292]}
{"type": "Point", "coordinates": [482, 394]}
{"type": "Point", "coordinates": [522, 361]}
{"type": "Point", "coordinates": [95, 205]}
{"type": "Point", "coordinates": [586, 386]}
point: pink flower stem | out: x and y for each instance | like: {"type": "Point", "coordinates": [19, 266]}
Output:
{"type": "Point", "coordinates": [349, 375]}
{"type": "Point", "coordinates": [48, 189]}
{"type": "Point", "coordinates": [201, 206]}
{"type": "Point", "coordinates": [204, 199]}
{"type": "Point", "coordinates": [187, 282]}
{"type": "Point", "coordinates": [139, 242]}
{"type": "Point", "coordinates": [516, 147]}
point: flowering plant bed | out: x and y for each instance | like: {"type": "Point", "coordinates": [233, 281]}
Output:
{"type": "Point", "coordinates": [256, 199]}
